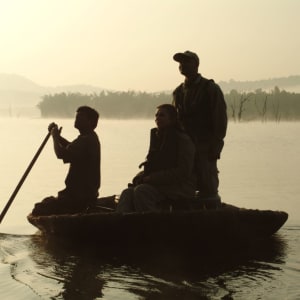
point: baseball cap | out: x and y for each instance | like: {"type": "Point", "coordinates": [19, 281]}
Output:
{"type": "Point", "coordinates": [184, 55]}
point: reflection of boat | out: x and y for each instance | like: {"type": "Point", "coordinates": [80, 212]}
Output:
{"type": "Point", "coordinates": [197, 226]}
{"type": "Point", "coordinates": [82, 271]}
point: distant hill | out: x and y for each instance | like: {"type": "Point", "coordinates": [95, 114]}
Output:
{"type": "Point", "coordinates": [290, 84]}
{"type": "Point", "coordinates": [13, 82]}
{"type": "Point", "coordinates": [19, 95]}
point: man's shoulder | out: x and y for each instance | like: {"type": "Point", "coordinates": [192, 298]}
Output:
{"type": "Point", "coordinates": [87, 138]}
{"type": "Point", "coordinates": [209, 83]}
{"type": "Point", "coordinates": [201, 82]}
{"type": "Point", "coordinates": [206, 82]}
{"type": "Point", "coordinates": [185, 142]}
{"type": "Point", "coordinates": [182, 135]}
{"type": "Point", "coordinates": [178, 88]}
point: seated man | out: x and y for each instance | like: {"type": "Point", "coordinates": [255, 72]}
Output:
{"type": "Point", "coordinates": [83, 155]}
{"type": "Point", "coordinates": [168, 174]}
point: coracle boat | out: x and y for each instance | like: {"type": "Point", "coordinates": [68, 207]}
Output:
{"type": "Point", "coordinates": [226, 223]}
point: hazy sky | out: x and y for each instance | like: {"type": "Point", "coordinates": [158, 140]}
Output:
{"type": "Point", "coordinates": [129, 44]}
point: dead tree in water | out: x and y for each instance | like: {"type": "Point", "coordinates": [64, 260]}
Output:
{"type": "Point", "coordinates": [277, 114]}
{"type": "Point", "coordinates": [276, 93]}
{"type": "Point", "coordinates": [237, 102]}
{"type": "Point", "coordinates": [233, 110]}
{"type": "Point", "coordinates": [243, 100]}
{"type": "Point", "coordinates": [263, 111]}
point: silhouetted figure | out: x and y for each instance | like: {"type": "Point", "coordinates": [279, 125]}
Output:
{"type": "Point", "coordinates": [84, 156]}
{"type": "Point", "coordinates": [202, 112]}
{"type": "Point", "coordinates": [168, 175]}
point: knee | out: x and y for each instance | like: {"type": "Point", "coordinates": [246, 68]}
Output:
{"type": "Point", "coordinates": [140, 189]}
{"type": "Point", "coordinates": [125, 201]}
{"type": "Point", "coordinates": [126, 194]}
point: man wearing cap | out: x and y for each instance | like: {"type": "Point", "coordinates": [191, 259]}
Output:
{"type": "Point", "coordinates": [202, 112]}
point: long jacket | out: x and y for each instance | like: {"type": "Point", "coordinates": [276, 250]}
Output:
{"type": "Point", "coordinates": [170, 163]}
{"type": "Point", "coordinates": [202, 111]}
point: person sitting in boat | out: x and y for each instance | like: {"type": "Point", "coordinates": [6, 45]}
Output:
{"type": "Point", "coordinates": [168, 175]}
{"type": "Point", "coordinates": [84, 156]}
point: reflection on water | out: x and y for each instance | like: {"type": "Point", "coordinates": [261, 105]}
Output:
{"type": "Point", "coordinates": [57, 269]}
{"type": "Point", "coordinates": [69, 271]}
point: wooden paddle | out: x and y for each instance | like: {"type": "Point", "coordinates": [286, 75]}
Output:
{"type": "Point", "coordinates": [12, 197]}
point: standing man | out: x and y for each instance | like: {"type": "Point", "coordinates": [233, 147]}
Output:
{"type": "Point", "coordinates": [84, 156]}
{"type": "Point", "coordinates": [202, 112]}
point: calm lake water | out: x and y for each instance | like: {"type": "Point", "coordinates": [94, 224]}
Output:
{"type": "Point", "coordinates": [259, 169]}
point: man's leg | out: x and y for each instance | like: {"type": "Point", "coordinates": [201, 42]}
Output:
{"type": "Point", "coordinates": [207, 177]}
{"type": "Point", "coordinates": [126, 201]}
{"type": "Point", "coordinates": [147, 198]}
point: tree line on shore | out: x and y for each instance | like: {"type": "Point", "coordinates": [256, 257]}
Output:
{"type": "Point", "coordinates": [275, 105]}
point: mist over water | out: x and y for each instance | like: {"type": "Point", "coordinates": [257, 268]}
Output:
{"type": "Point", "coordinates": [259, 168]}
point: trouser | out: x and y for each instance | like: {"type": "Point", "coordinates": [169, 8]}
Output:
{"type": "Point", "coordinates": [207, 176]}
{"type": "Point", "coordinates": [143, 197]}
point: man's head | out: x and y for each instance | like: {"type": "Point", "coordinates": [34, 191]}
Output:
{"type": "Point", "coordinates": [188, 63]}
{"type": "Point", "coordinates": [86, 118]}
{"type": "Point", "coordinates": [166, 116]}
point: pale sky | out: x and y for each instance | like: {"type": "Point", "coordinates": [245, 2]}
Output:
{"type": "Point", "coordinates": [129, 44]}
